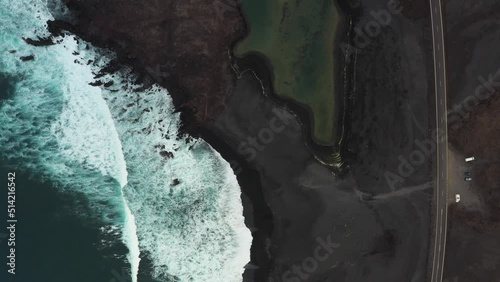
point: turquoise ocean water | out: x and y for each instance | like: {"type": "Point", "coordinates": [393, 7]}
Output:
{"type": "Point", "coordinates": [95, 190]}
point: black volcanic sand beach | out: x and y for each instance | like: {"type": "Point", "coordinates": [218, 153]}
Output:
{"type": "Point", "coordinates": [376, 234]}
{"type": "Point", "coordinates": [294, 205]}
{"type": "Point", "coordinates": [472, 38]}
{"type": "Point", "coordinates": [381, 236]}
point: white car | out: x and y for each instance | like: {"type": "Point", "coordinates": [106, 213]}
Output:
{"type": "Point", "coordinates": [457, 198]}
{"type": "Point", "coordinates": [469, 159]}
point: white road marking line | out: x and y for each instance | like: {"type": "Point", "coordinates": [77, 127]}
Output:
{"type": "Point", "coordinates": [438, 260]}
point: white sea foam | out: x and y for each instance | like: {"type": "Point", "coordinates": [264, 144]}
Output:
{"type": "Point", "coordinates": [132, 241]}
{"type": "Point", "coordinates": [194, 230]}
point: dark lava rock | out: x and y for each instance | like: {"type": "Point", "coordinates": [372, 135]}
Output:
{"type": "Point", "coordinates": [167, 154]}
{"type": "Point", "coordinates": [40, 41]}
{"type": "Point", "coordinates": [96, 83]}
{"type": "Point", "coordinates": [182, 45]}
{"type": "Point", "coordinates": [27, 58]}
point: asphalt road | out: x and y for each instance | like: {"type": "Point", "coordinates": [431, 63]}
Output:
{"type": "Point", "coordinates": [441, 191]}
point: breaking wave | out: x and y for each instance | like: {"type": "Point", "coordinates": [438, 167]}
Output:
{"type": "Point", "coordinates": [173, 198]}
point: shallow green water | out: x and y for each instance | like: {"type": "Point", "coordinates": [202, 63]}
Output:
{"type": "Point", "coordinates": [297, 38]}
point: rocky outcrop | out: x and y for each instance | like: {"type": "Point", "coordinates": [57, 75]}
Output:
{"type": "Point", "coordinates": [27, 58]}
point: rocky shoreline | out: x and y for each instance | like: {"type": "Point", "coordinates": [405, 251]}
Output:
{"type": "Point", "coordinates": [188, 91]}
{"type": "Point", "coordinates": [184, 47]}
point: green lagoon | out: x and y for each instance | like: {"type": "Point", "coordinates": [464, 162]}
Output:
{"type": "Point", "coordinates": [297, 38]}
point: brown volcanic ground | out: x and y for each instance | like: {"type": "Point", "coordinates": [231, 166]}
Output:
{"type": "Point", "coordinates": [477, 135]}
{"type": "Point", "coordinates": [472, 38]}
{"type": "Point", "coordinates": [181, 44]}
{"type": "Point", "coordinates": [477, 130]}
